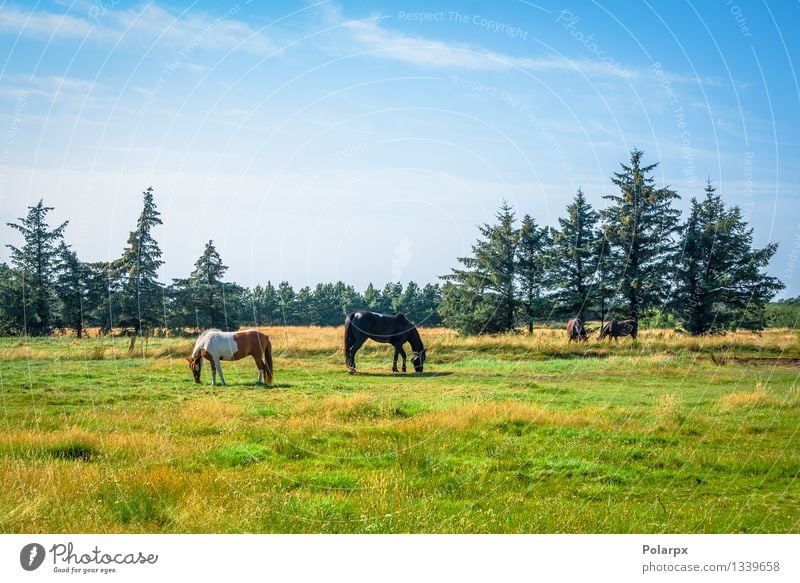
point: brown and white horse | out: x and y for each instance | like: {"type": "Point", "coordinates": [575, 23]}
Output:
{"type": "Point", "coordinates": [216, 345]}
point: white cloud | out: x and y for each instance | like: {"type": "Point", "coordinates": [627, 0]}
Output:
{"type": "Point", "coordinates": [369, 35]}
{"type": "Point", "coordinates": [148, 24]}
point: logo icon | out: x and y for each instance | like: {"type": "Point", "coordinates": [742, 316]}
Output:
{"type": "Point", "coordinates": [31, 556]}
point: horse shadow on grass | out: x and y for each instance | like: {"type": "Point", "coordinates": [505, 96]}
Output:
{"type": "Point", "coordinates": [253, 386]}
{"type": "Point", "coordinates": [412, 375]}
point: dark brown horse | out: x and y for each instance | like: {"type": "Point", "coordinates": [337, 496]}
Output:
{"type": "Point", "coordinates": [616, 328]}
{"type": "Point", "coordinates": [394, 329]}
{"type": "Point", "coordinates": [576, 330]}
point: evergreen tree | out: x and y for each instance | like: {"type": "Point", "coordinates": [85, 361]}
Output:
{"type": "Point", "coordinates": [207, 292]}
{"type": "Point", "coordinates": [481, 297]}
{"type": "Point", "coordinates": [287, 304]}
{"type": "Point", "coordinates": [105, 276]}
{"type": "Point", "coordinates": [141, 296]}
{"type": "Point", "coordinates": [12, 314]}
{"type": "Point", "coordinates": [390, 297]}
{"type": "Point", "coordinates": [409, 302]}
{"type": "Point", "coordinates": [80, 289]}
{"type": "Point", "coordinates": [36, 263]}
{"type": "Point", "coordinates": [532, 268]}
{"type": "Point", "coordinates": [575, 260]}
{"type": "Point", "coordinates": [606, 286]}
{"type": "Point", "coordinates": [430, 299]}
{"type": "Point", "coordinates": [640, 225]}
{"type": "Point", "coordinates": [721, 285]}
{"type": "Point", "coordinates": [372, 299]}
{"type": "Point", "coordinates": [262, 306]}
{"type": "Point", "coordinates": [303, 307]}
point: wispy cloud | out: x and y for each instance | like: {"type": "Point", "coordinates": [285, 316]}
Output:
{"type": "Point", "coordinates": [147, 24]}
{"type": "Point", "coordinates": [52, 88]}
{"type": "Point", "coordinates": [371, 36]}
{"type": "Point", "coordinates": [42, 24]}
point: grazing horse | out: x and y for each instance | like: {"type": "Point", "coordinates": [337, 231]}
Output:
{"type": "Point", "coordinates": [616, 328]}
{"type": "Point", "coordinates": [216, 345]}
{"type": "Point", "coordinates": [576, 330]}
{"type": "Point", "coordinates": [392, 328]}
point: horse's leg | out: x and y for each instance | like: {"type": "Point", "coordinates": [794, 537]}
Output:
{"type": "Point", "coordinates": [213, 372]}
{"type": "Point", "coordinates": [260, 366]}
{"type": "Point", "coordinates": [356, 345]}
{"type": "Point", "coordinates": [403, 356]}
{"type": "Point", "coordinates": [221, 377]}
{"type": "Point", "coordinates": [394, 359]}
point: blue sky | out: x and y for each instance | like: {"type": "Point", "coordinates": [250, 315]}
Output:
{"type": "Point", "coordinates": [364, 141]}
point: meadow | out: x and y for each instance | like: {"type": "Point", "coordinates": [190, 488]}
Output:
{"type": "Point", "coordinates": [510, 433]}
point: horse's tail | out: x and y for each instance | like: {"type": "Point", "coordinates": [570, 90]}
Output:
{"type": "Point", "coordinates": [268, 360]}
{"type": "Point", "coordinates": [349, 337]}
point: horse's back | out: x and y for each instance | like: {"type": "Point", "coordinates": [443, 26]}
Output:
{"type": "Point", "coordinates": [250, 342]}
{"type": "Point", "coordinates": [377, 326]}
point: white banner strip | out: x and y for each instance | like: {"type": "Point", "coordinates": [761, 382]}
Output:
{"type": "Point", "coordinates": [400, 558]}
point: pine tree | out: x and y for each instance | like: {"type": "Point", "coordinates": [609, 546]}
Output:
{"type": "Point", "coordinates": [80, 289]}
{"type": "Point", "coordinates": [141, 296]}
{"type": "Point", "coordinates": [482, 296]}
{"type": "Point", "coordinates": [303, 307]}
{"type": "Point", "coordinates": [532, 268]}
{"type": "Point", "coordinates": [574, 272]}
{"type": "Point", "coordinates": [287, 304]}
{"type": "Point", "coordinates": [605, 286]}
{"type": "Point", "coordinates": [430, 300]}
{"type": "Point", "coordinates": [721, 285]}
{"type": "Point", "coordinates": [207, 291]}
{"type": "Point", "coordinates": [36, 263]}
{"type": "Point", "coordinates": [372, 298]}
{"type": "Point", "coordinates": [262, 303]}
{"type": "Point", "coordinates": [390, 296]}
{"type": "Point", "coordinates": [641, 225]}
{"type": "Point", "coordinates": [12, 314]}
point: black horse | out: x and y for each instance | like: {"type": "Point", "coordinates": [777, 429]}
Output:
{"type": "Point", "coordinates": [616, 328]}
{"type": "Point", "coordinates": [394, 329]}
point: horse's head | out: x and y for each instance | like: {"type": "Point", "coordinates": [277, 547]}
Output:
{"type": "Point", "coordinates": [418, 359]}
{"type": "Point", "coordinates": [194, 366]}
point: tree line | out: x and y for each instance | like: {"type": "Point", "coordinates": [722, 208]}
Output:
{"type": "Point", "coordinates": [47, 287]}
{"type": "Point", "coordinates": [633, 259]}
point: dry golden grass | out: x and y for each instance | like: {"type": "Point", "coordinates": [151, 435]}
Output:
{"type": "Point", "coordinates": [669, 404]}
{"type": "Point", "coordinates": [210, 410]}
{"type": "Point", "coordinates": [304, 341]}
{"type": "Point", "coordinates": [741, 400]}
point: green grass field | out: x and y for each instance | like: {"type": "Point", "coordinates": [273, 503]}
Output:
{"type": "Point", "coordinates": [500, 434]}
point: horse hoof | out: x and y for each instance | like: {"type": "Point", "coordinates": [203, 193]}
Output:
{"type": "Point", "coordinates": [351, 371]}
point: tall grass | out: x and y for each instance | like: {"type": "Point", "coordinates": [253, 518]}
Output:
{"type": "Point", "coordinates": [311, 341]}
{"type": "Point", "coordinates": [507, 433]}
